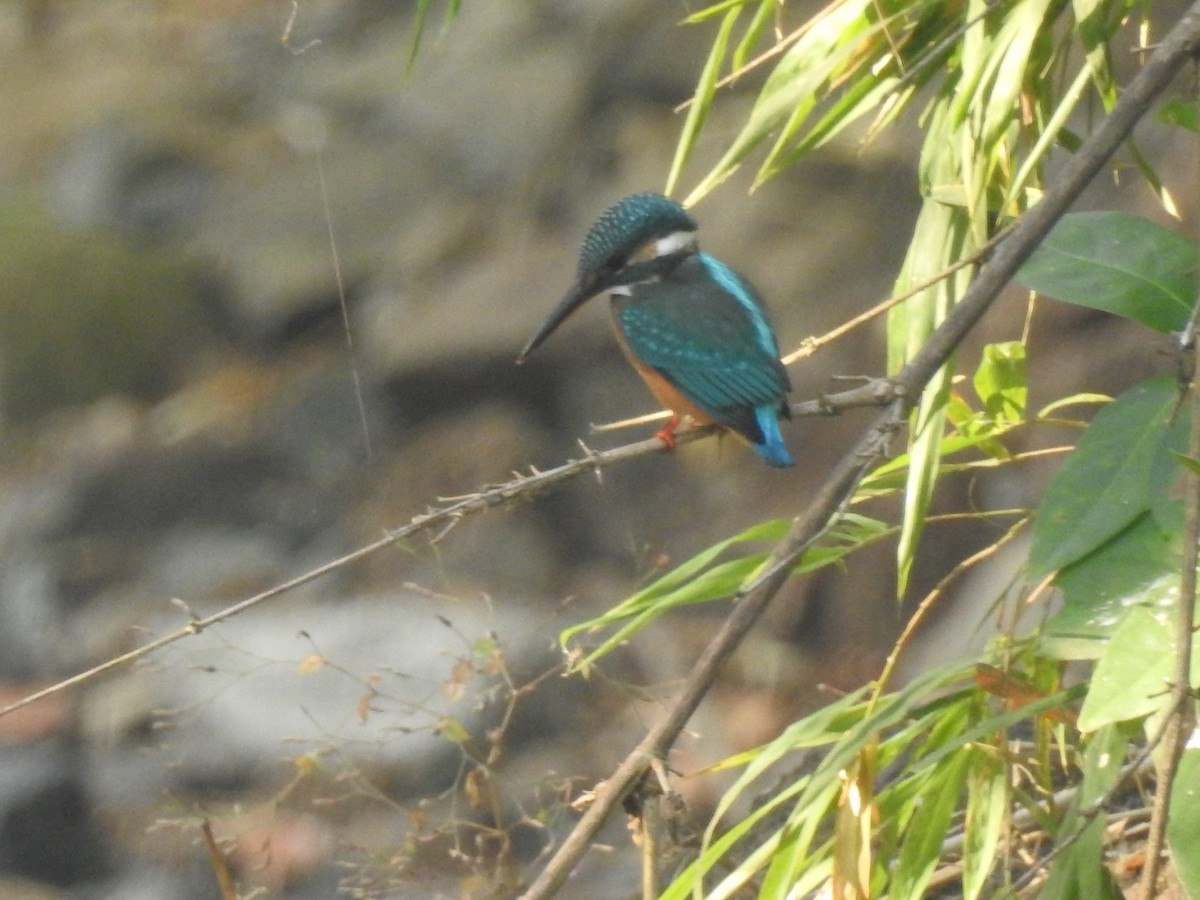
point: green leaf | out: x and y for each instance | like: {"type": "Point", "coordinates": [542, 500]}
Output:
{"type": "Point", "coordinates": [1183, 826]}
{"type": "Point", "coordinates": [921, 849]}
{"type": "Point", "coordinates": [1002, 382]}
{"type": "Point", "coordinates": [1183, 113]}
{"type": "Point", "coordinates": [1078, 872]}
{"type": "Point", "coordinates": [1192, 465]}
{"type": "Point", "coordinates": [1117, 263]}
{"type": "Point", "coordinates": [1138, 567]}
{"type": "Point", "coordinates": [701, 579]}
{"type": "Point", "coordinates": [1119, 469]}
{"type": "Point", "coordinates": [799, 78]}
{"type": "Point", "coordinates": [942, 236]}
{"type": "Point", "coordinates": [420, 23]}
{"type": "Point", "coordinates": [987, 812]}
{"type": "Point", "coordinates": [706, 86]}
{"type": "Point", "coordinates": [1131, 679]}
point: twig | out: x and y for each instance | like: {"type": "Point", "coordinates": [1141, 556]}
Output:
{"type": "Point", "coordinates": [440, 520]}
{"type": "Point", "coordinates": [810, 345]}
{"type": "Point", "coordinates": [931, 599]}
{"type": "Point", "coordinates": [1182, 715]}
{"type": "Point", "coordinates": [1182, 43]}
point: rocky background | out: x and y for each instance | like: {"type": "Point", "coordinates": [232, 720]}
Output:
{"type": "Point", "coordinates": [184, 421]}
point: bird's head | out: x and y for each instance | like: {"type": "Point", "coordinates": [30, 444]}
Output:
{"type": "Point", "coordinates": [636, 239]}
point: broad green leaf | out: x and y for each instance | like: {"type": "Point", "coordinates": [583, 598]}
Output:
{"type": "Point", "coordinates": [1138, 567]}
{"type": "Point", "coordinates": [1183, 826]}
{"type": "Point", "coordinates": [1131, 678]}
{"type": "Point", "coordinates": [1117, 263]}
{"type": "Point", "coordinates": [1118, 471]}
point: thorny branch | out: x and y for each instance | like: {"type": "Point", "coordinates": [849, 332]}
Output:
{"type": "Point", "coordinates": [441, 520]}
{"type": "Point", "coordinates": [1179, 45]}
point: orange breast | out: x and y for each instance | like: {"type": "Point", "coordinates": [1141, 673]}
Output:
{"type": "Point", "coordinates": [664, 392]}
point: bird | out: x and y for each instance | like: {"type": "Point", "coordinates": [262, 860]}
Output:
{"type": "Point", "coordinates": [694, 329]}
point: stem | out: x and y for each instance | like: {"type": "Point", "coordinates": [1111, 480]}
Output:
{"type": "Point", "coordinates": [1181, 717]}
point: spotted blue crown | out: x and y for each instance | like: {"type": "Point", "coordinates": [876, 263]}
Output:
{"type": "Point", "coordinates": [627, 225]}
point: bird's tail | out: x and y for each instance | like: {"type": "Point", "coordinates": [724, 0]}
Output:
{"type": "Point", "coordinates": [772, 448]}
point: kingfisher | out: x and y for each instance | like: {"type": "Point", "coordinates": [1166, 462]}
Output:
{"type": "Point", "coordinates": [693, 328]}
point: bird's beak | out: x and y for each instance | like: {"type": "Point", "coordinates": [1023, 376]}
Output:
{"type": "Point", "coordinates": [582, 291]}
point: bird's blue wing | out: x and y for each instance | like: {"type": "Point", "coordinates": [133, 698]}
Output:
{"type": "Point", "coordinates": [708, 344]}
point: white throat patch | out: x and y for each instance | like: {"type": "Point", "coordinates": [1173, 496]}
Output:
{"type": "Point", "coordinates": [674, 242]}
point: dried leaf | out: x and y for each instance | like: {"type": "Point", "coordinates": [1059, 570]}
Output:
{"type": "Point", "coordinates": [311, 663]}
{"type": "Point", "coordinates": [456, 685]}
{"type": "Point", "coordinates": [475, 788]}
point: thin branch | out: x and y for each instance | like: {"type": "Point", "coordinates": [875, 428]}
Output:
{"type": "Point", "coordinates": [1181, 718]}
{"type": "Point", "coordinates": [1182, 43]}
{"type": "Point", "coordinates": [810, 345]}
{"type": "Point", "coordinates": [442, 519]}
{"type": "Point", "coordinates": [935, 595]}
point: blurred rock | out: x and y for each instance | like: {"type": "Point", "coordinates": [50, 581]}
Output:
{"type": "Point", "coordinates": [47, 829]}
{"type": "Point", "coordinates": [366, 681]}
{"type": "Point", "coordinates": [185, 422]}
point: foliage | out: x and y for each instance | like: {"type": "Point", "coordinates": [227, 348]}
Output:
{"type": "Point", "coordinates": [912, 785]}
{"type": "Point", "coordinates": [986, 778]}
{"type": "Point", "coordinates": [938, 782]}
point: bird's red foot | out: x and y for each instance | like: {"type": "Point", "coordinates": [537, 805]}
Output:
{"type": "Point", "coordinates": [666, 434]}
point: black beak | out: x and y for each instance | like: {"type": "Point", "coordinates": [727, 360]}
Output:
{"type": "Point", "coordinates": [582, 291]}
{"type": "Point", "coordinates": [587, 287]}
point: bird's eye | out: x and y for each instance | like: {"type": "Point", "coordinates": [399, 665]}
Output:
{"type": "Point", "coordinates": [612, 265]}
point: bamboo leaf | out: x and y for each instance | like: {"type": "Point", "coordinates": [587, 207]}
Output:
{"type": "Point", "coordinates": [1002, 382]}
{"type": "Point", "coordinates": [791, 89]}
{"type": "Point", "coordinates": [987, 813]}
{"type": "Point", "coordinates": [1119, 469]}
{"type": "Point", "coordinates": [1079, 873]}
{"type": "Point", "coordinates": [921, 849]}
{"type": "Point", "coordinates": [702, 100]}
